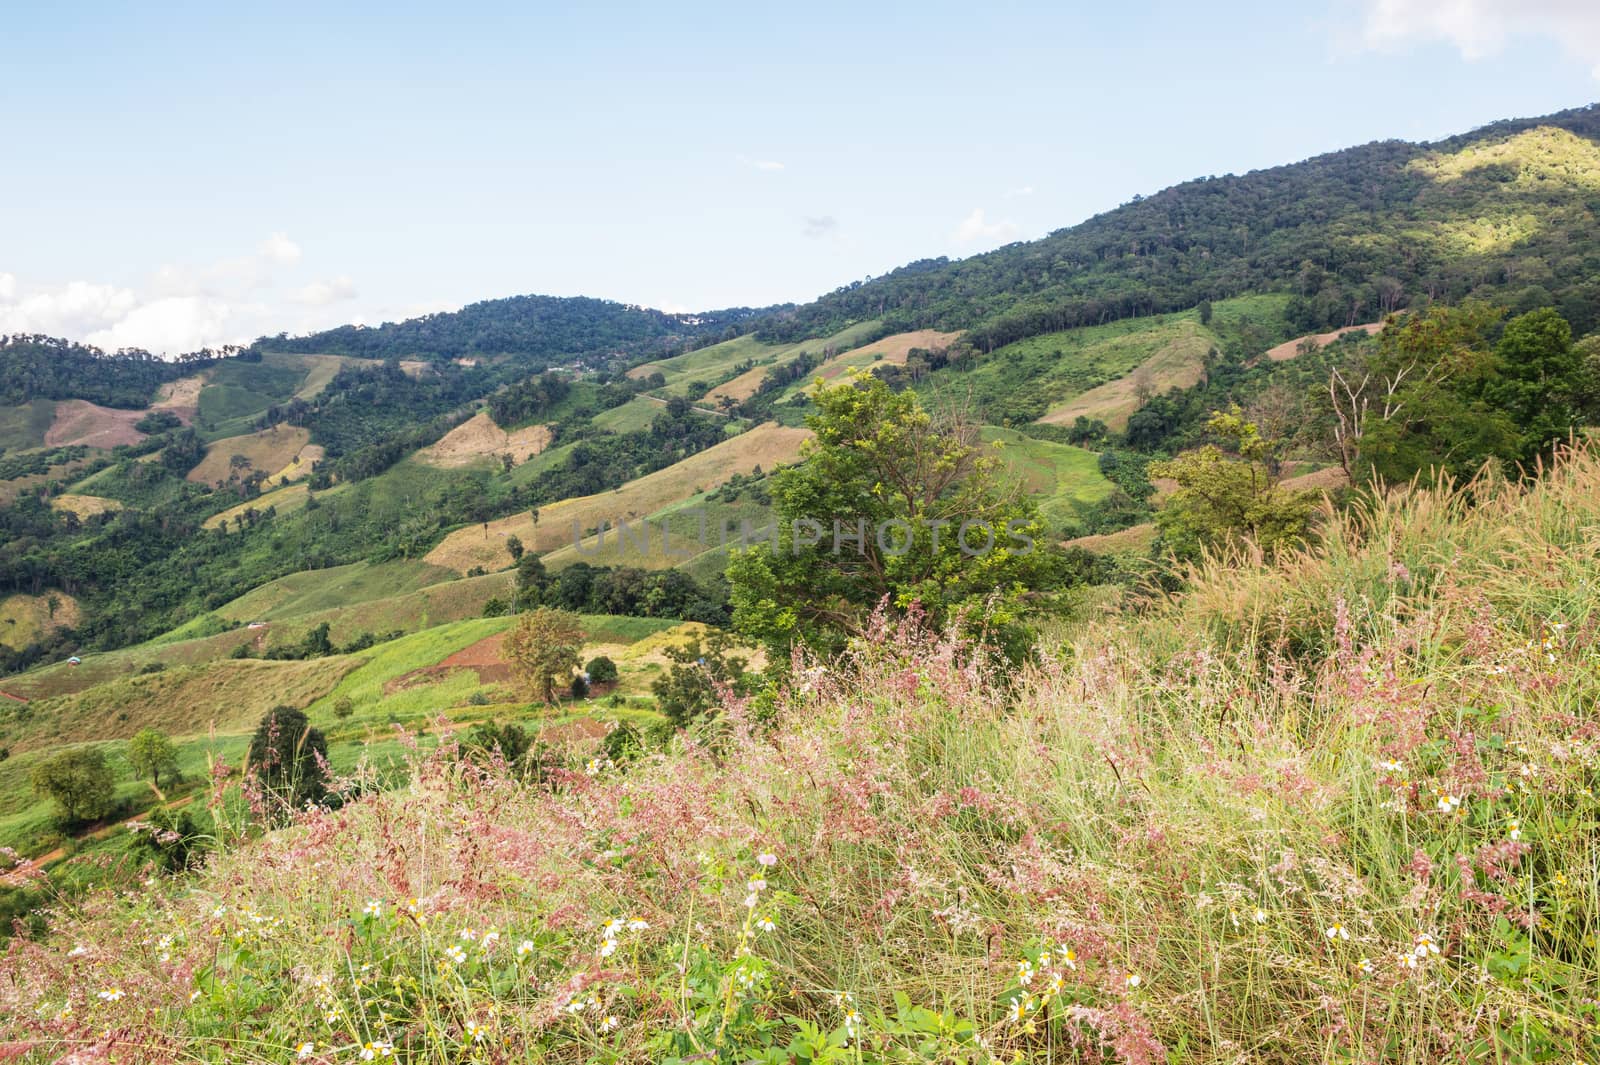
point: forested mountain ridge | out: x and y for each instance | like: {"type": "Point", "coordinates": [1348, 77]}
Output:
{"type": "Point", "coordinates": [541, 327]}
{"type": "Point", "coordinates": [1351, 234]}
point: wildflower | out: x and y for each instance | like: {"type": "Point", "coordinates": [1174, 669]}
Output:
{"type": "Point", "coordinates": [1133, 980]}
{"type": "Point", "coordinates": [491, 939]}
{"type": "Point", "coordinates": [1337, 931]}
{"type": "Point", "coordinates": [1069, 958]}
{"type": "Point", "coordinates": [608, 947]}
{"type": "Point", "coordinates": [1260, 916]}
{"type": "Point", "coordinates": [610, 1024]}
{"type": "Point", "coordinates": [374, 908]}
{"type": "Point", "coordinates": [332, 1016]}
{"type": "Point", "coordinates": [1365, 965]}
{"type": "Point", "coordinates": [767, 924]}
{"type": "Point", "coordinates": [1515, 833]}
{"type": "Point", "coordinates": [1448, 804]}
{"type": "Point", "coordinates": [756, 884]}
{"type": "Point", "coordinates": [524, 948]}
{"type": "Point", "coordinates": [305, 1050]}
{"type": "Point", "coordinates": [467, 935]}
{"type": "Point", "coordinates": [112, 994]}
{"type": "Point", "coordinates": [1057, 982]}
{"type": "Point", "coordinates": [637, 924]}
{"type": "Point", "coordinates": [194, 996]}
{"type": "Point", "coordinates": [767, 860]}
{"type": "Point", "coordinates": [611, 927]}
{"type": "Point", "coordinates": [476, 1031]}
{"type": "Point", "coordinates": [1408, 961]}
{"type": "Point", "coordinates": [1425, 946]}
{"type": "Point", "coordinates": [376, 1050]}
{"type": "Point", "coordinates": [1019, 1009]}
{"type": "Point", "coordinates": [1024, 972]}
{"type": "Point", "coordinates": [851, 1019]}
{"type": "Point", "coordinates": [1391, 766]}
{"type": "Point", "coordinates": [456, 954]}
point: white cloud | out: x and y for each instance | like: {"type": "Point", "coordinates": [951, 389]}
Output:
{"type": "Point", "coordinates": [182, 307]}
{"type": "Point", "coordinates": [1024, 190]}
{"type": "Point", "coordinates": [1480, 28]}
{"type": "Point", "coordinates": [976, 227]}
{"type": "Point", "coordinates": [761, 164]}
{"type": "Point", "coordinates": [279, 249]}
{"type": "Point", "coordinates": [820, 226]}
{"type": "Point", "coordinates": [322, 293]}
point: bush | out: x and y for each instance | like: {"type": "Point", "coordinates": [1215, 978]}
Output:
{"type": "Point", "coordinates": [343, 707]}
{"type": "Point", "coordinates": [601, 670]}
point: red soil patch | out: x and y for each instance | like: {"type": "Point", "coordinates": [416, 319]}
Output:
{"type": "Point", "coordinates": [482, 657]}
{"type": "Point", "coordinates": [78, 421]}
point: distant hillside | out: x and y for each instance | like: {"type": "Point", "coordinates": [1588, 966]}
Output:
{"type": "Point", "coordinates": [41, 367]}
{"type": "Point", "coordinates": [1509, 209]}
{"type": "Point", "coordinates": [544, 327]}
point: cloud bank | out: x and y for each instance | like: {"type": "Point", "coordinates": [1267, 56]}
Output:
{"type": "Point", "coordinates": [1481, 28]}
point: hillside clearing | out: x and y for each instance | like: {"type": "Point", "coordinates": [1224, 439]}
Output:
{"type": "Point", "coordinates": [766, 446]}
{"type": "Point", "coordinates": [84, 506]}
{"type": "Point", "coordinates": [181, 397]}
{"type": "Point", "coordinates": [480, 438]}
{"type": "Point", "coordinates": [1290, 348]}
{"type": "Point", "coordinates": [24, 618]}
{"type": "Point", "coordinates": [1178, 363]}
{"type": "Point", "coordinates": [77, 421]}
{"type": "Point", "coordinates": [272, 451]}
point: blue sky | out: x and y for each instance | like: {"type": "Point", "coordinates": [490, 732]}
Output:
{"type": "Point", "coordinates": [200, 175]}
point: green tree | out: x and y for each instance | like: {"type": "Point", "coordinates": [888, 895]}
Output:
{"type": "Point", "coordinates": [542, 650]}
{"type": "Point", "coordinates": [1540, 379]}
{"type": "Point", "coordinates": [151, 754]}
{"type": "Point", "coordinates": [698, 675]}
{"type": "Point", "coordinates": [514, 546]}
{"type": "Point", "coordinates": [892, 503]}
{"type": "Point", "coordinates": [601, 670]}
{"type": "Point", "coordinates": [289, 757]}
{"type": "Point", "coordinates": [80, 782]}
{"type": "Point", "coordinates": [1221, 495]}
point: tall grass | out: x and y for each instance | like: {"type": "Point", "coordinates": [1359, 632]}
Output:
{"type": "Point", "coordinates": [1337, 809]}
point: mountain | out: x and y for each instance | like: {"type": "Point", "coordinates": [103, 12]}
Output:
{"type": "Point", "coordinates": [1504, 209]}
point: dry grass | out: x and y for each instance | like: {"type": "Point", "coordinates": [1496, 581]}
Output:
{"type": "Point", "coordinates": [286, 500]}
{"type": "Point", "coordinates": [24, 618]}
{"type": "Point", "coordinates": [766, 446]}
{"type": "Point", "coordinates": [894, 350]}
{"type": "Point", "coordinates": [273, 451]}
{"type": "Point", "coordinates": [77, 421]}
{"type": "Point", "coordinates": [181, 397]}
{"type": "Point", "coordinates": [1177, 364]}
{"type": "Point", "coordinates": [1134, 540]}
{"type": "Point", "coordinates": [480, 438]}
{"type": "Point", "coordinates": [229, 695]}
{"type": "Point", "coordinates": [1290, 348]}
{"type": "Point", "coordinates": [84, 506]}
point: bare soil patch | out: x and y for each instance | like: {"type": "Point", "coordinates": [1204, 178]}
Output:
{"type": "Point", "coordinates": [479, 437]}
{"type": "Point", "coordinates": [77, 421]}
{"type": "Point", "coordinates": [1290, 348]}
{"type": "Point", "coordinates": [181, 397]}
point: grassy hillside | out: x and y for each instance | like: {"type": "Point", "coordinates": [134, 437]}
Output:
{"type": "Point", "coordinates": [1340, 808]}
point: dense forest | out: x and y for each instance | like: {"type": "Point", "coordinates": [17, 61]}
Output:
{"type": "Point", "coordinates": [41, 367]}
{"type": "Point", "coordinates": [541, 327]}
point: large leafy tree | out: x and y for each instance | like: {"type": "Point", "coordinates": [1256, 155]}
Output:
{"type": "Point", "coordinates": [80, 781]}
{"type": "Point", "coordinates": [1541, 380]}
{"type": "Point", "coordinates": [893, 503]}
{"type": "Point", "coordinates": [1226, 494]}
{"type": "Point", "coordinates": [151, 754]}
{"type": "Point", "coordinates": [543, 651]}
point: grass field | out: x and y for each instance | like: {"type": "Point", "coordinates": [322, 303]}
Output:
{"type": "Point", "coordinates": [23, 427]}
{"type": "Point", "coordinates": [1176, 363]}
{"type": "Point", "coordinates": [890, 349]}
{"type": "Point", "coordinates": [765, 446]}
{"type": "Point", "coordinates": [24, 618]}
{"type": "Point", "coordinates": [718, 362]}
{"type": "Point", "coordinates": [1060, 478]}
{"type": "Point", "coordinates": [84, 506]}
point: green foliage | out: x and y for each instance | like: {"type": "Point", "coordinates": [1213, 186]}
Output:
{"type": "Point", "coordinates": [893, 504]}
{"type": "Point", "coordinates": [40, 367]}
{"type": "Point", "coordinates": [152, 755]}
{"type": "Point", "coordinates": [542, 650]}
{"type": "Point", "coordinates": [527, 401]}
{"type": "Point", "coordinates": [701, 672]}
{"type": "Point", "coordinates": [1221, 496]}
{"type": "Point", "coordinates": [80, 782]}
{"type": "Point", "coordinates": [601, 670]}
{"type": "Point", "coordinates": [289, 757]}
{"type": "Point", "coordinates": [172, 839]}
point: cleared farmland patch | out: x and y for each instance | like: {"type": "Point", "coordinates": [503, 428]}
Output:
{"type": "Point", "coordinates": [480, 438]}
{"type": "Point", "coordinates": [1290, 348]}
{"type": "Point", "coordinates": [77, 421]}
{"type": "Point", "coordinates": [272, 451]}
{"type": "Point", "coordinates": [24, 618]}
{"type": "Point", "coordinates": [766, 445]}
{"type": "Point", "coordinates": [84, 506]}
{"type": "Point", "coordinates": [1177, 363]}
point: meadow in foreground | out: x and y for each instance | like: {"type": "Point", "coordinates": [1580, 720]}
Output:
{"type": "Point", "coordinates": [1339, 808]}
